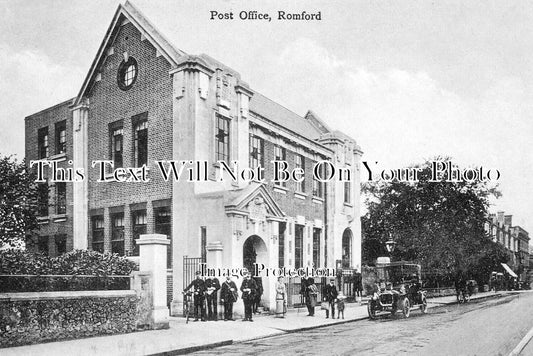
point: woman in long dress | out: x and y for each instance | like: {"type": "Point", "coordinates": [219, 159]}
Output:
{"type": "Point", "coordinates": [281, 298]}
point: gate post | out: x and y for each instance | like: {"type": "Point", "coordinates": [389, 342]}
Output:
{"type": "Point", "coordinates": [153, 258]}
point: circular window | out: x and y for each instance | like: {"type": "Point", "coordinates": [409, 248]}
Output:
{"type": "Point", "coordinates": [127, 73]}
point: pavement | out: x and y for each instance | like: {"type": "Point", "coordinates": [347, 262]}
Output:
{"type": "Point", "coordinates": [183, 338]}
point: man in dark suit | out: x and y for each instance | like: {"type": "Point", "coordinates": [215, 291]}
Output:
{"type": "Point", "coordinates": [258, 294]}
{"type": "Point", "coordinates": [248, 289]}
{"type": "Point", "coordinates": [212, 285]}
{"type": "Point", "coordinates": [199, 290]}
{"type": "Point", "coordinates": [228, 296]}
{"type": "Point", "coordinates": [303, 289]}
{"type": "Point", "coordinates": [330, 294]}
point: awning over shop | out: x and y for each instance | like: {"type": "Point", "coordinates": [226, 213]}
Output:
{"type": "Point", "coordinates": [509, 270]}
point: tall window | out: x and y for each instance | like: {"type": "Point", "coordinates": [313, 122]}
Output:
{"type": "Point", "coordinates": [280, 154]}
{"type": "Point", "coordinates": [347, 192]}
{"type": "Point", "coordinates": [42, 245]}
{"type": "Point", "coordinates": [281, 244]}
{"type": "Point", "coordinates": [298, 246]}
{"type": "Point", "coordinates": [61, 137]}
{"type": "Point", "coordinates": [347, 248]}
{"type": "Point", "coordinates": [117, 135]}
{"type": "Point", "coordinates": [300, 163]}
{"type": "Point", "coordinates": [141, 143]}
{"type": "Point", "coordinates": [61, 198]}
{"type": "Point", "coordinates": [257, 151]}
{"type": "Point", "coordinates": [98, 233]}
{"type": "Point", "coordinates": [42, 142]}
{"type": "Point", "coordinates": [43, 199]}
{"type": "Point", "coordinates": [61, 244]}
{"type": "Point", "coordinates": [117, 233]}
{"type": "Point", "coordinates": [138, 219]}
{"type": "Point", "coordinates": [203, 243]}
{"type": "Point", "coordinates": [163, 225]}
{"type": "Point", "coordinates": [222, 139]}
{"type": "Point", "coordinates": [318, 187]}
{"type": "Point", "coordinates": [316, 247]}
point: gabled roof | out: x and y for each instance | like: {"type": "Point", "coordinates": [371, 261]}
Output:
{"type": "Point", "coordinates": [237, 200]}
{"type": "Point", "coordinates": [310, 126]}
{"type": "Point", "coordinates": [282, 116]}
{"type": "Point", "coordinates": [130, 13]}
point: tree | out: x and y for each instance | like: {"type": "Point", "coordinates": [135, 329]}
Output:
{"type": "Point", "coordinates": [439, 224]}
{"type": "Point", "coordinates": [19, 196]}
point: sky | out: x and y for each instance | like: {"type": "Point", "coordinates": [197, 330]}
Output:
{"type": "Point", "coordinates": [408, 80]}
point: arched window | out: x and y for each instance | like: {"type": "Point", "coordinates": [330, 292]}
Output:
{"type": "Point", "coordinates": [347, 248]}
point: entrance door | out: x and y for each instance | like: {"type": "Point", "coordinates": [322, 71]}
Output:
{"type": "Point", "coordinates": [254, 250]}
{"type": "Point", "coordinates": [249, 254]}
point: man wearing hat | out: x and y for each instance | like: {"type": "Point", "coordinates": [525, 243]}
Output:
{"type": "Point", "coordinates": [248, 289]}
{"type": "Point", "coordinates": [212, 285]}
{"type": "Point", "coordinates": [199, 296]}
{"type": "Point", "coordinates": [228, 296]}
{"type": "Point", "coordinates": [330, 294]}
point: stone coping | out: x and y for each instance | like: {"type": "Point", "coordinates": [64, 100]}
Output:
{"type": "Point", "coordinates": [66, 295]}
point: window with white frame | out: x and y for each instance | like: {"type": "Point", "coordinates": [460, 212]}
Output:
{"type": "Point", "coordinates": [222, 139]}
{"type": "Point", "coordinates": [300, 163]}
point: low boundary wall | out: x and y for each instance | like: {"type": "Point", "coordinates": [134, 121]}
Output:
{"type": "Point", "coordinates": [34, 317]}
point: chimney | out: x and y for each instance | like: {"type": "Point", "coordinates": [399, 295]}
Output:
{"type": "Point", "coordinates": [500, 217]}
{"type": "Point", "coordinates": [508, 220]}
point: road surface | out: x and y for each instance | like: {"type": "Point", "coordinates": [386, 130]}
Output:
{"type": "Point", "coordinates": [489, 327]}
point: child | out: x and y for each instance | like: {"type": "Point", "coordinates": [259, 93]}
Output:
{"type": "Point", "coordinates": [340, 305]}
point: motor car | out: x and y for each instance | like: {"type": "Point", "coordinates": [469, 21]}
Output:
{"type": "Point", "coordinates": [399, 288]}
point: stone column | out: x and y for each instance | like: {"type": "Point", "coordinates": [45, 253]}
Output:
{"type": "Point", "coordinates": [153, 258]}
{"type": "Point", "coordinates": [80, 189]}
{"type": "Point", "coordinates": [214, 254]}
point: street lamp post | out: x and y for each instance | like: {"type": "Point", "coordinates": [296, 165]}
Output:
{"type": "Point", "coordinates": [390, 244]}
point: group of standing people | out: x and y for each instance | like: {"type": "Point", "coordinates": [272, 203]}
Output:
{"type": "Point", "coordinates": [207, 290]}
{"type": "Point", "coordinates": [251, 291]}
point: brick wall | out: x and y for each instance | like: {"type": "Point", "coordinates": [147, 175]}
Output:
{"type": "Point", "coordinates": [152, 94]}
{"type": "Point", "coordinates": [52, 224]}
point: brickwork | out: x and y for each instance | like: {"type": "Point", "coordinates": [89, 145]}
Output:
{"type": "Point", "coordinates": [151, 94]}
{"type": "Point", "coordinates": [52, 224]}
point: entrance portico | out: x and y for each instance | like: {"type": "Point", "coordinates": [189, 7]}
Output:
{"type": "Point", "coordinates": [253, 216]}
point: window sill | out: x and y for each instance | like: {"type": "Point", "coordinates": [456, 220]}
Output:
{"type": "Point", "coordinates": [300, 195]}
{"type": "Point", "coordinates": [318, 200]}
{"type": "Point", "coordinates": [41, 220]}
{"type": "Point", "coordinates": [348, 205]}
{"type": "Point", "coordinates": [280, 189]}
{"type": "Point", "coordinates": [59, 218]}
{"type": "Point", "coordinates": [58, 157]}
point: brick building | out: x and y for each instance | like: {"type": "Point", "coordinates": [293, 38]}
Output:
{"type": "Point", "coordinates": [514, 238]}
{"type": "Point", "coordinates": [143, 101]}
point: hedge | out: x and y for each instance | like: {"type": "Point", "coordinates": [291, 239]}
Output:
{"type": "Point", "coordinates": [74, 263]}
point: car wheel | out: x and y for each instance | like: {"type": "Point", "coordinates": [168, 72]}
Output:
{"type": "Point", "coordinates": [371, 310]}
{"type": "Point", "coordinates": [424, 305]}
{"type": "Point", "coordinates": [406, 307]}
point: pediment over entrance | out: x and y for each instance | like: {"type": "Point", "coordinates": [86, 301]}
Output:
{"type": "Point", "coordinates": [253, 201]}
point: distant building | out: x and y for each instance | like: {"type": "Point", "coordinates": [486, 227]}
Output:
{"type": "Point", "coordinates": [144, 100]}
{"type": "Point", "coordinates": [514, 238]}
